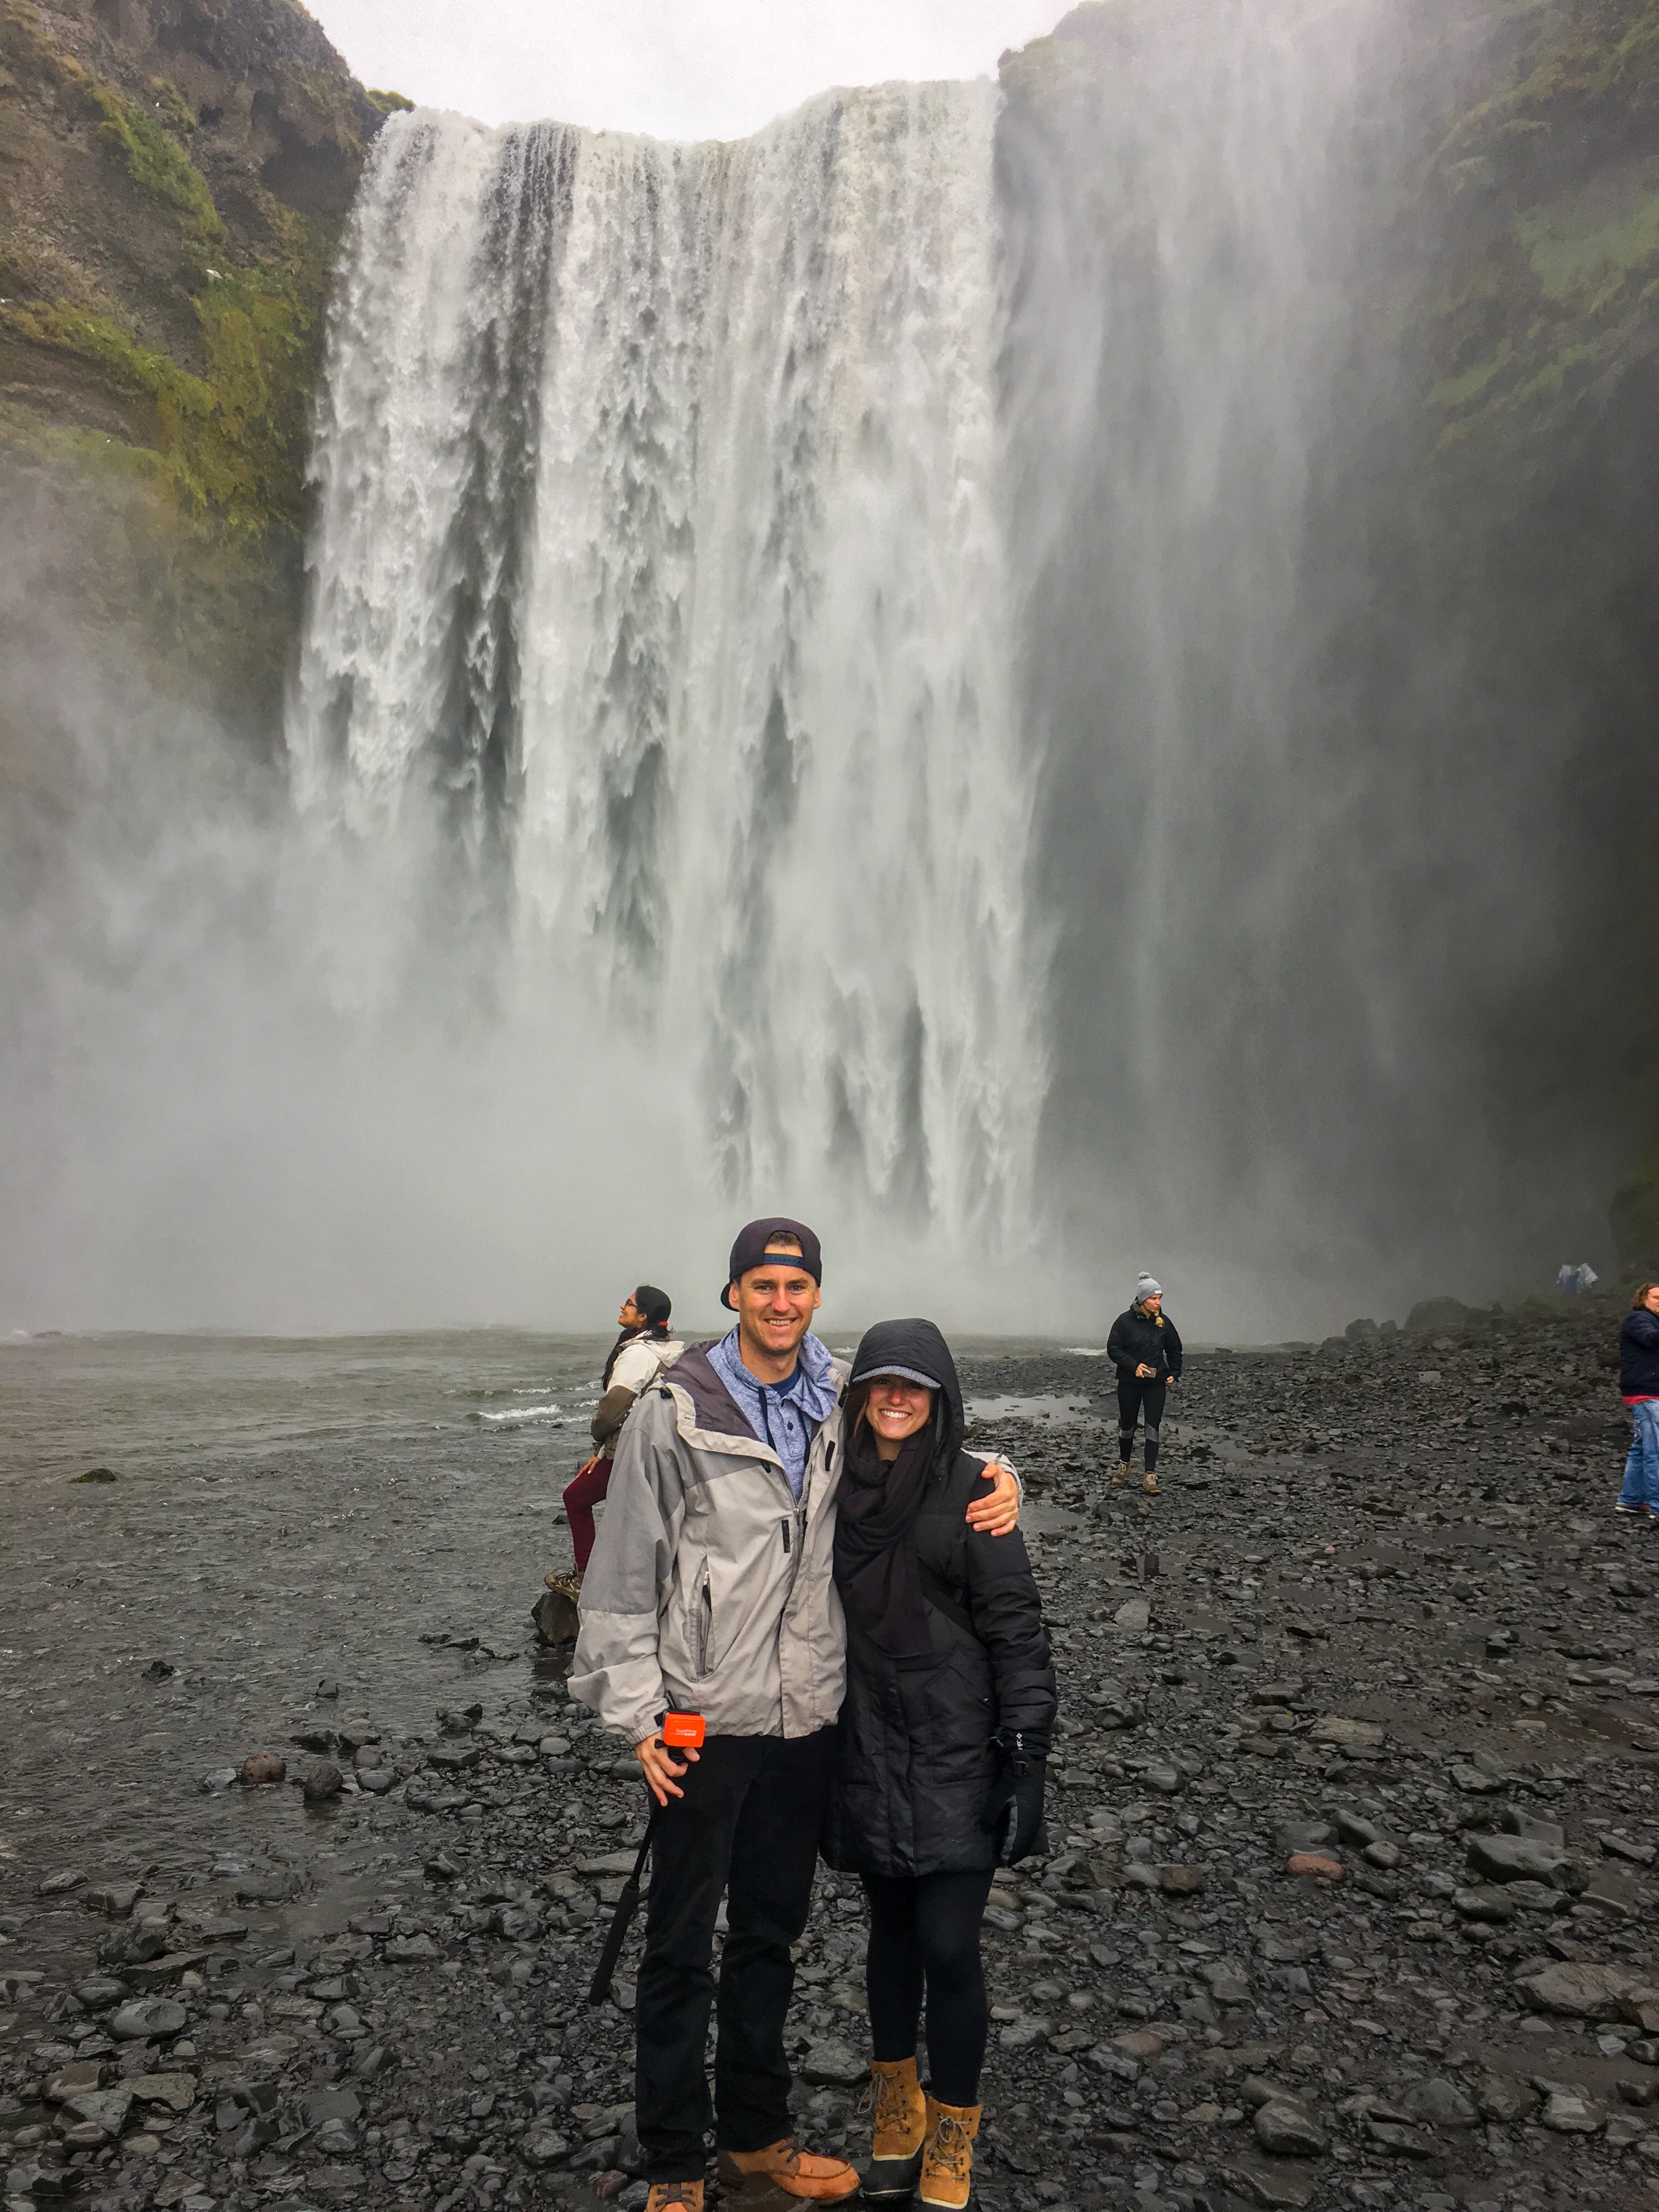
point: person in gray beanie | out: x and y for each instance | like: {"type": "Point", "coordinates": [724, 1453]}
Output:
{"type": "Point", "coordinates": [1145, 1347]}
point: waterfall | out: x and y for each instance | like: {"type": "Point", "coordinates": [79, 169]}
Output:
{"type": "Point", "coordinates": [661, 631]}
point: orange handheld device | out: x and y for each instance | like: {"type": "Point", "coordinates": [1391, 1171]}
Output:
{"type": "Point", "coordinates": [683, 1731]}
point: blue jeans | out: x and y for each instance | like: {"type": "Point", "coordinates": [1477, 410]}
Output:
{"type": "Point", "coordinates": [1642, 1468]}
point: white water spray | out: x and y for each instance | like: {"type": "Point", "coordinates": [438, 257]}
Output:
{"type": "Point", "coordinates": [660, 600]}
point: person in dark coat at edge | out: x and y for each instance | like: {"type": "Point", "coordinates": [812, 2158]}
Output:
{"type": "Point", "coordinates": [1638, 1386]}
{"type": "Point", "coordinates": [1145, 1347]}
{"type": "Point", "coordinates": [941, 1745]}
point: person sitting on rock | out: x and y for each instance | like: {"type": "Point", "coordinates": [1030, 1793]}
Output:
{"type": "Point", "coordinates": [711, 1592]}
{"type": "Point", "coordinates": [1145, 1347]}
{"type": "Point", "coordinates": [638, 1357]}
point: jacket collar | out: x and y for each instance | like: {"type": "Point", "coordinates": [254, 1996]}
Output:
{"type": "Point", "coordinates": [710, 1417]}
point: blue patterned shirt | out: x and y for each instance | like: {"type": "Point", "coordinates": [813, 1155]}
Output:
{"type": "Point", "coordinates": [785, 1415]}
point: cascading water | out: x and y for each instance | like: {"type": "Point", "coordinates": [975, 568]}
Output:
{"type": "Point", "coordinates": [659, 603]}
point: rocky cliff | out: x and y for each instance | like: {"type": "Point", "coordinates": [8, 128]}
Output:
{"type": "Point", "coordinates": [1472, 729]}
{"type": "Point", "coordinates": [175, 174]}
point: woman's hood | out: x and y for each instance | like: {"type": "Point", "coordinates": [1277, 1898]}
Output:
{"type": "Point", "coordinates": [918, 1346]}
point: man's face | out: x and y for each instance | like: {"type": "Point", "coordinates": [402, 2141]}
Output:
{"type": "Point", "coordinates": [1650, 1299]}
{"type": "Point", "coordinates": [776, 1304]}
{"type": "Point", "coordinates": [631, 1316]}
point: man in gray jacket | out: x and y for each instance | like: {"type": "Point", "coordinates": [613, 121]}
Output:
{"type": "Point", "coordinates": [711, 1591]}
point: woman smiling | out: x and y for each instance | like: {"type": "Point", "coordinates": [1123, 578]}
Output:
{"type": "Point", "coordinates": [943, 1738]}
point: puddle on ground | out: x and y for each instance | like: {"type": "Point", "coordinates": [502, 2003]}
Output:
{"type": "Point", "coordinates": [1062, 1412]}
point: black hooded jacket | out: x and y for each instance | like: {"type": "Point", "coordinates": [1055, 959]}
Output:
{"type": "Point", "coordinates": [916, 1753]}
{"type": "Point", "coordinates": [1144, 1340]}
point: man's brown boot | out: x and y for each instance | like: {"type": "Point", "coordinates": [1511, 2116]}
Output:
{"type": "Point", "coordinates": [783, 2169]}
{"type": "Point", "coordinates": [675, 2197]}
{"type": "Point", "coordinates": [900, 2129]}
{"type": "Point", "coordinates": [1122, 1474]}
{"type": "Point", "coordinates": [1149, 1484]}
{"type": "Point", "coordinates": [947, 2158]}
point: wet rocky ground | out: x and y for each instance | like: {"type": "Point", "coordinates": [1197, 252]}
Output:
{"type": "Point", "coordinates": [1352, 1813]}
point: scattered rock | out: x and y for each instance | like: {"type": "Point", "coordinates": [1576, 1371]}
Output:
{"type": "Point", "coordinates": [1315, 1863]}
{"type": "Point", "coordinates": [1518, 1858]}
{"type": "Point", "coordinates": [1577, 1990]}
{"type": "Point", "coordinates": [95, 1475]}
{"type": "Point", "coordinates": [1440, 2104]}
{"type": "Point", "coordinates": [60, 1884]}
{"type": "Point", "coordinates": [149, 2020]}
{"type": "Point", "coordinates": [1354, 1734]}
{"type": "Point", "coordinates": [1567, 2114]}
{"type": "Point", "coordinates": [1286, 2130]}
{"type": "Point", "coordinates": [260, 1767]}
{"type": "Point", "coordinates": [834, 2063]}
{"type": "Point", "coordinates": [320, 1780]}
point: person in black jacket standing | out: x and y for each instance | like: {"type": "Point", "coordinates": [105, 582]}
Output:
{"type": "Point", "coordinates": [943, 1740]}
{"type": "Point", "coordinates": [1145, 1347]}
{"type": "Point", "coordinates": [1638, 1386]}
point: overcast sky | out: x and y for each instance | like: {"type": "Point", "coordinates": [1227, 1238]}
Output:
{"type": "Point", "coordinates": [675, 69]}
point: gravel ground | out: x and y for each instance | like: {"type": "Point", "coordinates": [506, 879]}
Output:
{"type": "Point", "coordinates": [1352, 1817]}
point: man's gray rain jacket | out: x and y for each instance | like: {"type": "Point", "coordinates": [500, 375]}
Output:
{"type": "Point", "coordinates": [711, 1588]}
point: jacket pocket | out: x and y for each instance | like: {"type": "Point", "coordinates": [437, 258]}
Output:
{"type": "Point", "coordinates": [703, 1621]}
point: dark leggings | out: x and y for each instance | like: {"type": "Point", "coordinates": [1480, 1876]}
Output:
{"type": "Point", "coordinates": [1134, 1397]}
{"type": "Point", "coordinates": [924, 1930]}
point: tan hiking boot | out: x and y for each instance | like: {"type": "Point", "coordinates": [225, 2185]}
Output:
{"type": "Point", "coordinates": [947, 2158]}
{"type": "Point", "coordinates": [900, 2130]}
{"type": "Point", "coordinates": [568, 1586]}
{"type": "Point", "coordinates": [1122, 1474]}
{"type": "Point", "coordinates": [675, 2197]}
{"type": "Point", "coordinates": [1149, 1484]}
{"type": "Point", "coordinates": [784, 2170]}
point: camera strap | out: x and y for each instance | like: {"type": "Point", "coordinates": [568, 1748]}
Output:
{"type": "Point", "coordinates": [627, 1905]}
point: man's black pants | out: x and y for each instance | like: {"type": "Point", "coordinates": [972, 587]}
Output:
{"type": "Point", "coordinates": [748, 1824]}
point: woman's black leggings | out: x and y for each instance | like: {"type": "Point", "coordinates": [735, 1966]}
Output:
{"type": "Point", "coordinates": [924, 1931]}
{"type": "Point", "coordinates": [1134, 1397]}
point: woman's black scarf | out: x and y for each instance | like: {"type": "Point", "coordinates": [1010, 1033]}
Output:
{"type": "Point", "coordinates": [876, 1569]}
{"type": "Point", "coordinates": [654, 1333]}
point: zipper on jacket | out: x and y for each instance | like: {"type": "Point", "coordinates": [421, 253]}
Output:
{"type": "Point", "coordinates": [705, 1621]}
{"type": "Point", "coordinates": [786, 1537]}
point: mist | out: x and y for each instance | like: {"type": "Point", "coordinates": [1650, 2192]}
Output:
{"type": "Point", "coordinates": [919, 670]}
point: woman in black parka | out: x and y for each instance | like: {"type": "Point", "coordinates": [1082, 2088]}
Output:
{"type": "Point", "coordinates": [942, 1739]}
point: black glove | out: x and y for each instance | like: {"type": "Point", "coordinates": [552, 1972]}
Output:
{"type": "Point", "coordinates": [1013, 1808]}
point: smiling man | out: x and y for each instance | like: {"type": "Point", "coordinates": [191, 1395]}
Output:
{"type": "Point", "coordinates": [712, 1591]}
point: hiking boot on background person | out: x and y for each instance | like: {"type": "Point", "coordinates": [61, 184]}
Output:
{"type": "Point", "coordinates": [900, 2130]}
{"type": "Point", "coordinates": [947, 2158]}
{"type": "Point", "coordinates": [568, 1586]}
{"type": "Point", "coordinates": [1149, 1484]}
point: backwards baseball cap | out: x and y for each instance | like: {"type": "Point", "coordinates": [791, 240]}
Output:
{"type": "Point", "coordinates": [752, 1250]}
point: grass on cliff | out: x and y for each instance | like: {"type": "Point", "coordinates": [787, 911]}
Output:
{"type": "Point", "coordinates": [157, 163]}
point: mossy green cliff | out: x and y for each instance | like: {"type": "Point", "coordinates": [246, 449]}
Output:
{"type": "Point", "coordinates": [177, 173]}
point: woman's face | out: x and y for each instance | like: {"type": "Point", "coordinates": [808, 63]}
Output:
{"type": "Point", "coordinates": [896, 1409]}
